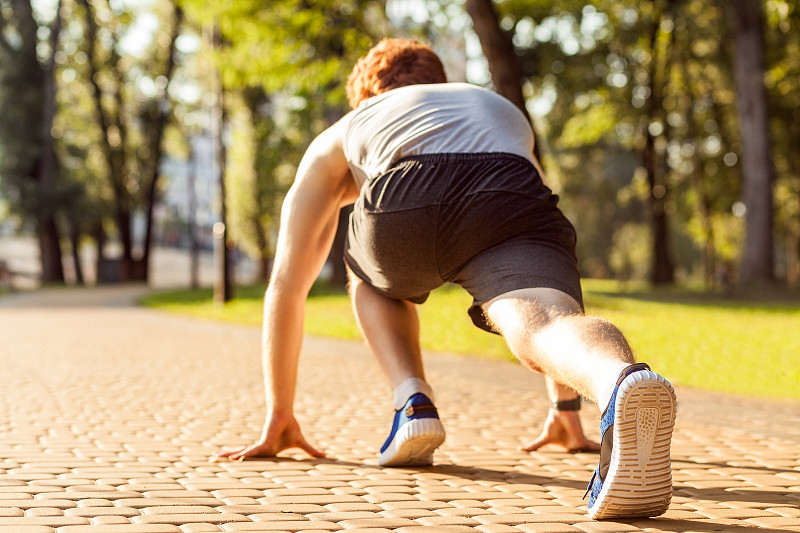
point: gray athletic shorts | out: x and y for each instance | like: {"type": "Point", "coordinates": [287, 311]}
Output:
{"type": "Point", "coordinates": [483, 221]}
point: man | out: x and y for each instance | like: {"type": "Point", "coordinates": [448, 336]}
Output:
{"type": "Point", "coordinates": [446, 189]}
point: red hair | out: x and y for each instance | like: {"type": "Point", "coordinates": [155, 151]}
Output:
{"type": "Point", "coordinates": [390, 64]}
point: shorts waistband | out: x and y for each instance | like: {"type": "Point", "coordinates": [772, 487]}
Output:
{"type": "Point", "coordinates": [463, 157]}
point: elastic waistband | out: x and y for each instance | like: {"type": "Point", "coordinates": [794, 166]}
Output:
{"type": "Point", "coordinates": [465, 157]}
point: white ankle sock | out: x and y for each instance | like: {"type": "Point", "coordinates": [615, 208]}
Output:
{"type": "Point", "coordinates": [409, 388]}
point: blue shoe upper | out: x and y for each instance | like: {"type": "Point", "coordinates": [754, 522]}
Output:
{"type": "Point", "coordinates": [418, 406]}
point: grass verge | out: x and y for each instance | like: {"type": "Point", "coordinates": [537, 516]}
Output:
{"type": "Point", "coordinates": [699, 340]}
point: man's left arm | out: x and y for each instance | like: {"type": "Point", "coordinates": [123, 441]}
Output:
{"type": "Point", "coordinates": [308, 224]}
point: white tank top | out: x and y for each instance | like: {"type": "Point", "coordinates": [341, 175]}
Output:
{"type": "Point", "coordinates": [432, 119]}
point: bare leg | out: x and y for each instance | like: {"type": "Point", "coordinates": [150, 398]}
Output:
{"type": "Point", "coordinates": [391, 329]}
{"type": "Point", "coordinates": [546, 330]}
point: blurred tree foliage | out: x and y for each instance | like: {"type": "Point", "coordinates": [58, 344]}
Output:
{"type": "Point", "coordinates": [638, 105]}
{"type": "Point", "coordinates": [634, 104]}
{"type": "Point", "coordinates": [131, 121]}
{"type": "Point", "coordinates": [29, 170]}
{"type": "Point", "coordinates": [286, 67]}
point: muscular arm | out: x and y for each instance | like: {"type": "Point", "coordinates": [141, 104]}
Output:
{"type": "Point", "coordinates": [308, 224]}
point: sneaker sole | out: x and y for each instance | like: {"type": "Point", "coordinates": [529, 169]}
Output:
{"type": "Point", "coordinates": [414, 443]}
{"type": "Point", "coordinates": [639, 479]}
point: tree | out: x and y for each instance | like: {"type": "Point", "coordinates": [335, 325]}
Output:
{"type": "Point", "coordinates": [288, 65]}
{"type": "Point", "coordinates": [130, 137]}
{"type": "Point", "coordinates": [28, 162]}
{"type": "Point", "coordinates": [782, 58]}
{"type": "Point", "coordinates": [498, 48]}
{"type": "Point", "coordinates": [757, 266]}
{"type": "Point", "coordinates": [663, 271]}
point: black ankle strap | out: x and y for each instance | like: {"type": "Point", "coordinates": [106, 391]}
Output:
{"type": "Point", "coordinates": [567, 405]}
{"type": "Point", "coordinates": [630, 370]}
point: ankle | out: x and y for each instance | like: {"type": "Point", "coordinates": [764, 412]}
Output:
{"type": "Point", "coordinates": [409, 388]}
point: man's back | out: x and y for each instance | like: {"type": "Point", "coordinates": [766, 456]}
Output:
{"type": "Point", "coordinates": [430, 119]}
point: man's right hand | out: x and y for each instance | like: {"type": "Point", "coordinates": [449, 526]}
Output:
{"type": "Point", "coordinates": [281, 432]}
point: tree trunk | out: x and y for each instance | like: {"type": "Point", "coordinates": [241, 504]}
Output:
{"type": "Point", "coordinates": [113, 151]}
{"type": "Point", "coordinates": [663, 271]}
{"type": "Point", "coordinates": [256, 99]}
{"type": "Point", "coordinates": [757, 262]}
{"type": "Point", "coordinates": [46, 172]}
{"type": "Point", "coordinates": [223, 286]}
{"type": "Point", "coordinates": [264, 257]}
{"type": "Point", "coordinates": [498, 48]}
{"type": "Point", "coordinates": [698, 182]}
{"type": "Point", "coordinates": [156, 148]}
{"type": "Point", "coordinates": [50, 250]}
{"type": "Point", "coordinates": [194, 246]}
{"type": "Point", "coordinates": [74, 238]}
{"type": "Point", "coordinates": [100, 267]}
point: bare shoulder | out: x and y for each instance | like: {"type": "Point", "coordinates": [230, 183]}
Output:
{"type": "Point", "coordinates": [324, 165]}
{"type": "Point", "coordinates": [330, 143]}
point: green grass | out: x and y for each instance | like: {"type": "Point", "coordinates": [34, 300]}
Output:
{"type": "Point", "coordinates": [699, 340]}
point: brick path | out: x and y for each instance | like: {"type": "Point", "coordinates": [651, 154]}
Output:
{"type": "Point", "coordinates": [108, 414]}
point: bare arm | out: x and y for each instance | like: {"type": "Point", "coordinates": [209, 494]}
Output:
{"type": "Point", "coordinates": [308, 224]}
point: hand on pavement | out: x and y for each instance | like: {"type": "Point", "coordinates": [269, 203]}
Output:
{"type": "Point", "coordinates": [564, 429]}
{"type": "Point", "coordinates": [280, 433]}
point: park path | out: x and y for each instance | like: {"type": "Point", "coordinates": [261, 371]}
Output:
{"type": "Point", "coordinates": [108, 414]}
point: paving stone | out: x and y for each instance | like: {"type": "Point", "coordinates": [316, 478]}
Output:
{"type": "Point", "coordinates": [378, 521]}
{"type": "Point", "coordinates": [248, 526]}
{"type": "Point", "coordinates": [187, 518]}
{"type": "Point", "coordinates": [199, 528]}
{"type": "Point", "coordinates": [438, 521]}
{"type": "Point", "coordinates": [775, 521]}
{"type": "Point", "coordinates": [276, 517]}
{"type": "Point", "coordinates": [95, 503]}
{"type": "Point", "coordinates": [547, 528]}
{"type": "Point", "coordinates": [51, 521]}
{"type": "Point", "coordinates": [302, 508]}
{"type": "Point", "coordinates": [506, 519]}
{"type": "Point", "coordinates": [32, 504]}
{"type": "Point", "coordinates": [372, 530]}
{"type": "Point", "coordinates": [120, 528]}
{"type": "Point", "coordinates": [108, 520]}
{"type": "Point", "coordinates": [90, 512]}
{"type": "Point", "coordinates": [609, 527]}
{"type": "Point", "coordinates": [320, 499]}
{"type": "Point", "coordinates": [438, 529]}
{"type": "Point", "coordinates": [789, 512]}
{"type": "Point", "coordinates": [26, 529]}
{"type": "Point", "coordinates": [302, 525]}
{"type": "Point", "coordinates": [139, 503]}
{"type": "Point", "coordinates": [179, 509]}
{"type": "Point", "coordinates": [411, 514]}
{"type": "Point", "coordinates": [497, 528]}
{"type": "Point", "coordinates": [233, 493]}
{"type": "Point", "coordinates": [338, 516]}
{"type": "Point", "coordinates": [44, 511]}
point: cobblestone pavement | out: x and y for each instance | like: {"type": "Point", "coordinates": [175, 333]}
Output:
{"type": "Point", "coordinates": [108, 414]}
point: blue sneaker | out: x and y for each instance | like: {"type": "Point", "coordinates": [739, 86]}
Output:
{"type": "Point", "coordinates": [634, 477]}
{"type": "Point", "coordinates": [416, 433]}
